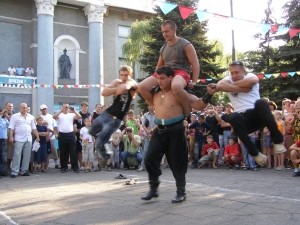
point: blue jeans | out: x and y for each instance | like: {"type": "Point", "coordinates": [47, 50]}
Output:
{"type": "Point", "coordinates": [125, 154]}
{"type": "Point", "coordinates": [197, 151]}
{"type": "Point", "coordinates": [3, 156]}
{"type": "Point", "coordinates": [21, 149]}
{"type": "Point", "coordinates": [145, 150]}
{"type": "Point", "coordinates": [103, 127]}
{"type": "Point", "coordinates": [248, 159]}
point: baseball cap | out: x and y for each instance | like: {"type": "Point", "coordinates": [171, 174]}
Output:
{"type": "Point", "coordinates": [43, 106]}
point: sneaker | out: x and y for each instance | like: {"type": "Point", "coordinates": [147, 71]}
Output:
{"type": "Point", "coordinates": [63, 170]}
{"type": "Point", "coordinates": [279, 148]}
{"type": "Point", "coordinates": [141, 169]}
{"type": "Point", "coordinates": [296, 173]}
{"type": "Point", "coordinates": [108, 169]}
{"type": "Point", "coordinates": [108, 149]}
{"type": "Point", "coordinates": [97, 169]}
{"type": "Point", "coordinates": [260, 159]}
{"type": "Point", "coordinates": [26, 174]}
{"type": "Point", "coordinates": [236, 167]}
{"type": "Point", "coordinates": [254, 169]}
{"type": "Point", "coordinates": [13, 176]}
{"type": "Point", "coordinates": [76, 170]}
{"type": "Point", "coordinates": [57, 167]}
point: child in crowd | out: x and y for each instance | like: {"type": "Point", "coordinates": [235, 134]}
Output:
{"type": "Point", "coordinates": [191, 138]}
{"type": "Point", "coordinates": [232, 153]}
{"type": "Point", "coordinates": [295, 157]}
{"type": "Point", "coordinates": [210, 152]}
{"type": "Point", "coordinates": [115, 142]}
{"type": "Point", "coordinates": [279, 156]}
{"type": "Point", "coordinates": [87, 146]}
{"type": "Point", "coordinates": [40, 157]}
{"type": "Point", "coordinates": [267, 147]}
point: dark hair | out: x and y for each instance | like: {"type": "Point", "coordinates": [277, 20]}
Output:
{"type": "Point", "coordinates": [171, 23]}
{"type": "Point", "coordinates": [234, 138]}
{"type": "Point", "coordinates": [166, 70]}
{"type": "Point", "coordinates": [237, 63]}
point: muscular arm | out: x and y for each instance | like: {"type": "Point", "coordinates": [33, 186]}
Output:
{"type": "Point", "coordinates": [247, 82]}
{"type": "Point", "coordinates": [226, 86]}
{"type": "Point", "coordinates": [111, 89]}
{"type": "Point", "coordinates": [193, 60]}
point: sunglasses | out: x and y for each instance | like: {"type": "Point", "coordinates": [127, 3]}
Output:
{"type": "Point", "coordinates": [236, 63]}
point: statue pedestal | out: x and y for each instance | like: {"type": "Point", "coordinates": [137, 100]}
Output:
{"type": "Point", "coordinates": [66, 81]}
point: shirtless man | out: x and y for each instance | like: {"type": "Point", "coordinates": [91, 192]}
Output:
{"type": "Point", "coordinates": [169, 136]}
{"type": "Point", "coordinates": [123, 90]}
{"type": "Point", "coordinates": [179, 54]}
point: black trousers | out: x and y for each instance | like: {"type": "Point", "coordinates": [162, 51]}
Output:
{"type": "Point", "coordinates": [252, 120]}
{"type": "Point", "coordinates": [173, 144]}
{"type": "Point", "coordinates": [67, 148]}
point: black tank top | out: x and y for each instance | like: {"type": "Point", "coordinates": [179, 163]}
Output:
{"type": "Point", "coordinates": [120, 105]}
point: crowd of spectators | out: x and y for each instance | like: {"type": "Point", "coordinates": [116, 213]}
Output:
{"type": "Point", "coordinates": [64, 138]}
{"type": "Point", "coordinates": [20, 71]}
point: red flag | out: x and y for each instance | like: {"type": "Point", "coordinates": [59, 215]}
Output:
{"type": "Point", "coordinates": [284, 74]}
{"type": "Point", "coordinates": [203, 81]}
{"type": "Point", "coordinates": [293, 32]}
{"type": "Point", "coordinates": [185, 12]}
{"type": "Point", "coordinates": [260, 76]}
{"type": "Point", "coordinates": [274, 28]}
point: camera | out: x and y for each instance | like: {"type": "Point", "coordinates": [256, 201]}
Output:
{"type": "Point", "coordinates": [71, 108]}
{"type": "Point", "coordinates": [129, 129]}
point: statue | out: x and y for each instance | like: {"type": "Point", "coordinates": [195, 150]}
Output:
{"type": "Point", "coordinates": [65, 65]}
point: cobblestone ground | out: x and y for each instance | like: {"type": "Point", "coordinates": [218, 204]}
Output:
{"type": "Point", "coordinates": [214, 196]}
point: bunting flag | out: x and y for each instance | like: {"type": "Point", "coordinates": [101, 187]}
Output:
{"type": "Point", "coordinates": [185, 12]}
{"type": "Point", "coordinates": [167, 7]}
{"type": "Point", "coordinates": [260, 76]}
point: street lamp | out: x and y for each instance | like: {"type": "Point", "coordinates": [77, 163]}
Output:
{"type": "Point", "coordinates": [232, 34]}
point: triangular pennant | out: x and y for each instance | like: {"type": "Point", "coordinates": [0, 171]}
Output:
{"type": "Point", "coordinates": [276, 75]}
{"type": "Point", "coordinates": [268, 75]}
{"type": "Point", "coordinates": [264, 28]}
{"type": "Point", "coordinates": [167, 7]}
{"type": "Point", "coordinates": [282, 30]}
{"type": "Point", "coordinates": [203, 81]}
{"type": "Point", "coordinates": [202, 16]}
{"type": "Point", "coordinates": [209, 79]}
{"type": "Point", "coordinates": [185, 12]}
{"type": "Point", "coordinates": [298, 72]}
{"type": "Point", "coordinates": [260, 76]}
{"type": "Point", "coordinates": [292, 73]}
{"type": "Point", "coordinates": [284, 74]}
{"type": "Point", "coordinates": [274, 28]}
{"type": "Point", "coordinates": [76, 86]}
{"type": "Point", "coordinates": [293, 32]}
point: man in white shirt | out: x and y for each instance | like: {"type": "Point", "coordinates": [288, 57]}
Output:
{"type": "Point", "coordinates": [66, 137]}
{"type": "Point", "coordinates": [20, 128]}
{"type": "Point", "coordinates": [251, 113]}
{"type": "Point", "coordinates": [52, 125]}
{"type": "Point", "coordinates": [11, 70]}
{"type": "Point", "coordinates": [29, 71]}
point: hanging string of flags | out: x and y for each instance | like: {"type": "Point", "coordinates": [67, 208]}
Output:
{"type": "Point", "coordinates": [230, 22]}
{"type": "Point", "coordinates": [261, 76]}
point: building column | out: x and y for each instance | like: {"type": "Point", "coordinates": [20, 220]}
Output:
{"type": "Point", "coordinates": [95, 19]}
{"type": "Point", "coordinates": [45, 14]}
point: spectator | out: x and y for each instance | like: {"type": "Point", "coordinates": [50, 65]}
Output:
{"type": "Point", "coordinates": [87, 146]}
{"type": "Point", "coordinates": [232, 153]}
{"type": "Point", "coordinates": [8, 111]}
{"type": "Point", "coordinates": [52, 125]}
{"type": "Point", "coordinates": [11, 70]}
{"type": "Point", "coordinates": [201, 130]}
{"type": "Point", "coordinates": [295, 157]}
{"type": "Point", "coordinates": [267, 148]}
{"type": "Point", "coordinates": [211, 120]}
{"type": "Point", "coordinates": [191, 137]}
{"type": "Point", "coordinates": [29, 71]}
{"type": "Point", "coordinates": [3, 142]}
{"type": "Point", "coordinates": [133, 122]}
{"type": "Point", "coordinates": [148, 125]}
{"type": "Point", "coordinates": [21, 125]}
{"type": "Point", "coordinates": [249, 162]}
{"type": "Point", "coordinates": [78, 124]}
{"type": "Point", "coordinates": [97, 112]}
{"type": "Point", "coordinates": [20, 71]}
{"type": "Point", "coordinates": [40, 157]}
{"type": "Point", "coordinates": [115, 142]}
{"type": "Point", "coordinates": [279, 157]}
{"type": "Point", "coordinates": [131, 146]}
{"type": "Point", "coordinates": [210, 152]}
{"type": "Point", "coordinates": [66, 137]}
{"type": "Point", "coordinates": [272, 106]}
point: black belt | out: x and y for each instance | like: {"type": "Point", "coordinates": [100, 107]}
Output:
{"type": "Point", "coordinates": [162, 129]}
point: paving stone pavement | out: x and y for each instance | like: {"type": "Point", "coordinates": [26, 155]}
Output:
{"type": "Point", "coordinates": [214, 196]}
